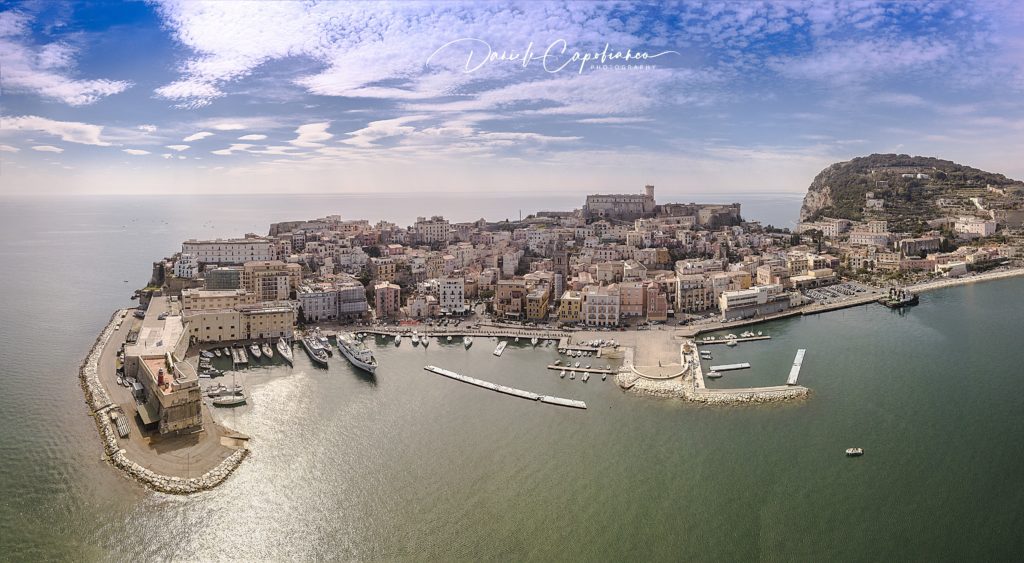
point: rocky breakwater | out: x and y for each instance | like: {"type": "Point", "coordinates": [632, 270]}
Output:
{"type": "Point", "coordinates": [100, 404]}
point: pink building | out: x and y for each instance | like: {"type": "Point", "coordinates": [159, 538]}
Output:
{"type": "Point", "coordinates": [387, 300]}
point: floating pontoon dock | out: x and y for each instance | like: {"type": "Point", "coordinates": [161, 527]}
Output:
{"type": "Point", "coordinates": [730, 367]}
{"type": "Point", "coordinates": [507, 390]}
{"type": "Point", "coordinates": [797, 362]}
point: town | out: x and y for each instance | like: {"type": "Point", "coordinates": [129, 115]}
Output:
{"type": "Point", "coordinates": [622, 262]}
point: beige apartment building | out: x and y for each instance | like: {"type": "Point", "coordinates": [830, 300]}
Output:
{"type": "Point", "coordinates": [271, 280]}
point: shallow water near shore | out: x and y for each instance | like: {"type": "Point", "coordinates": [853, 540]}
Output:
{"type": "Point", "coordinates": [411, 465]}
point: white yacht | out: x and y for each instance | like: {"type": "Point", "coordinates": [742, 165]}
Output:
{"type": "Point", "coordinates": [356, 352]}
{"type": "Point", "coordinates": [255, 350]}
{"type": "Point", "coordinates": [285, 350]}
{"type": "Point", "coordinates": [500, 348]}
{"type": "Point", "coordinates": [467, 341]}
{"type": "Point", "coordinates": [267, 350]}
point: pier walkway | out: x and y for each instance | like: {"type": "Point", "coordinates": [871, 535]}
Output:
{"type": "Point", "coordinates": [798, 361]}
{"type": "Point", "coordinates": [507, 390]}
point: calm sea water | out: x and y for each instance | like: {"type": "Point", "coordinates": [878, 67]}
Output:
{"type": "Point", "coordinates": [409, 465]}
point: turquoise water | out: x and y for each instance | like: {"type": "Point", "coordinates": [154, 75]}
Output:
{"type": "Point", "coordinates": [411, 465]}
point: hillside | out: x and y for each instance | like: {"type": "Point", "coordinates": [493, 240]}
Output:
{"type": "Point", "coordinates": [905, 189]}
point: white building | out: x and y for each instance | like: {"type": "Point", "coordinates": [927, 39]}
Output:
{"type": "Point", "coordinates": [319, 302]}
{"type": "Point", "coordinates": [435, 229]}
{"type": "Point", "coordinates": [186, 267]}
{"type": "Point", "coordinates": [351, 299]}
{"type": "Point", "coordinates": [452, 295]}
{"type": "Point", "coordinates": [230, 251]}
{"type": "Point", "coordinates": [601, 305]}
{"type": "Point", "coordinates": [972, 227]}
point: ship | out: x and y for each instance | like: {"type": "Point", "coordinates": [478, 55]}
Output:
{"type": "Point", "coordinates": [285, 350]}
{"type": "Point", "coordinates": [315, 350]}
{"type": "Point", "coordinates": [500, 348]}
{"type": "Point", "coordinates": [898, 298]}
{"type": "Point", "coordinates": [356, 352]}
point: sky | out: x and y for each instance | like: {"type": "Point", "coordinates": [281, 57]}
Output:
{"type": "Point", "coordinates": [275, 97]}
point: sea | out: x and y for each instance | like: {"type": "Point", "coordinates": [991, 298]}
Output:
{"type": "Point", "coordinates": [408, 465]}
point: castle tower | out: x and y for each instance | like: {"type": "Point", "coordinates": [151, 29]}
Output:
{"type": "Point", "coordinates": [649, 192]}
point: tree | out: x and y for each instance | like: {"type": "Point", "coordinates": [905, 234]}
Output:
{"type": "Point", "coordinates": [372, 251]}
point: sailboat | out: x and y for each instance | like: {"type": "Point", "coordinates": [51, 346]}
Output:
{"type": "Point", "coordinates": [232, 400]}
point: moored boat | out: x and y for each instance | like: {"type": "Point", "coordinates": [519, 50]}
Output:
{"type": "Point", "coordinates": [357, 353]}
{"type": "Point", "coordinates": [229, 401]}
{"type": "Point", "coordinates": [500, 348]}
{"type": "Point", "coordinates": [714, 375]}
{"type": "Point", "coordinates": [285, 349]}
{"type": "Point", "coordinates": [267, 350]}
{"type": "Point", "coordinates": [534, 341]}
{"type": "Point", "coordinates": [398, 339]}
{"type": "Point", "coordinates": [255, 350]}
{"type": "Point", "coordinates": [216, 352]}
{"type": "Point", "coordinates": [467, 341]}
{"type": "Point", "coordinates": [315, 351]}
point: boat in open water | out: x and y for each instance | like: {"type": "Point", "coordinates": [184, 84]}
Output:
{"type": "Point", "coordinates": [854, 452]}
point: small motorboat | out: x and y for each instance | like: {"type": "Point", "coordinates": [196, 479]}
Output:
{"type": "Point", "coordinates": [467, 341]}
{"type": "Point", "coordinates": [714, 375]}
{"type": "Point", "coordinates": [398, 339]}
{"type": "Point", "coordinates": [120, 381]}
{"type": "Point", "coordinates": [534, 341]}
{"type": "Point", "coordinates": [227, 351]}
{"type": "Point", "coordinates": [588, 366]}
{"type": "Point", "coordinates": [267, 350]}
{"type": "Point", "coordinates": [449, 338]}
{"type": "Point", "coordinates": [730, 343]}
{"type": "Point", "coordinates": [576, 365]}
{"type": "Point", "coordinates": [562, 374]}
{"type": "Point", "coordinates": [558, 362]}
{"type": "Point", "coordinates": [854, 452]}
{"type": "Point", "coordinates": [572, 375]}
{"type": "Point", "coordinates": [216, 352]}
{"type": "Point", "coordinates": [206, 354]}
{"type": "Point", "coordinates": [425, 341]}
{"type": "Point", "coordinates": [586, 376]}
{"type": "Point", "coordinates": [415, 339]}
{"type": "Point", "coordinates": [604, 376]}
{"type": "Point", "coordinates": [254, 349]}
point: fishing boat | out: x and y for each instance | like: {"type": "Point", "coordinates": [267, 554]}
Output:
{"type": "Point", "coordinates": [500, 348]}
{"type": "Point", "coordinates": [467, 341]}
{"type": "Point", "coordinates": [267, 350]}
{"type": "Point", "coordinates": [315, 351]}
{"type": "Point", "coordinates": [534, 341]}
{"type": "Point", "coordinates": [854, 452]}
{"type": "Point", "coordinates": [285, 349]}
{"type": "Point", "coordinates": [256, 352]}
{"type": "Point", "coordinates": [357, 353]}
{"type": "Point", "coordinates": [216, 352]}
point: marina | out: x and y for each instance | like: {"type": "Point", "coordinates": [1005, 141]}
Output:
{"type": "Point", "coordinates": [794, 373]}
{"type": "Point", "coordinates": [507, 390]}
{"type": "Point", "coordinates": [567, 368]}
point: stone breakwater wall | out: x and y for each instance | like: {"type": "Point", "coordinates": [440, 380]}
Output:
{"type": "Point", "coordinates": [684, 388]}
{"type": "Point", "coordinates": [98, 400]}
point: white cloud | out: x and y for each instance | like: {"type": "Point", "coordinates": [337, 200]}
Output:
{"type": "Point", "coordinates": [229, 126]}
{"type": "Point", "coordinates": [147, 128]}
{"type": "Point", "coordinates": [70, 131]}
{"type": "Point", "coordinates": [197, 136]}
{"type": "Point", "coordinates": [47, 148]}
{"type": "Point", "coordinates": [178, 148]}
{"type": "Point", "coordinates": [8, 148]}
{"type": "Point", "coordinates": [615, 120]}
{"type": "Point", "coordinates": [237, 147]}
{"type": "Point", "coordinates": [45, 70]}
{"type": "Point", "coordinates": [311, 135]}
{"type": "Point", "coordinates": [135, 152]}
{"type": "Point", "coordinates": [252, 137]}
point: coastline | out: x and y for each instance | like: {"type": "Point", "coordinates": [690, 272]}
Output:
{"type": "Point", "coordinates": [100, 406]}
{"type": "Point", "coordinates": [965, 280]}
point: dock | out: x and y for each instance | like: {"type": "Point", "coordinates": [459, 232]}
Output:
{"type": "Point", "coordinates": [725, 340]}
{"type": "Point", "coordinates": [730, 367]}
{"type": "Point", "coordinates": [506, 389]}
{"type": "Point", "coordinates": [579, 369]}
{"type": "Point", "coordinates": [795, 371]}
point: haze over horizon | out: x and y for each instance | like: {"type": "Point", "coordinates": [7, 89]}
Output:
{"type": "Point", "coordinates": [288, 97]}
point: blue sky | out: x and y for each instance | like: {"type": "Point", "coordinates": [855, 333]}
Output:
{"type": "Point", "coordinates": [170, 97]}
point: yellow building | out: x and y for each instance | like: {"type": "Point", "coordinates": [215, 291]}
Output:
{"type": "Point", "coordinates": [570, 308]}
{"type": "Point", "coordinates": [200, 299]}
{"type": "Point", "coordinates": [537, 304]}
{"type": "Point", "coordinates": [272, 280]}
{"type": "Point", "coordinates": [509, 299]}
{"type": "Point", "coordinates": [244, 322]}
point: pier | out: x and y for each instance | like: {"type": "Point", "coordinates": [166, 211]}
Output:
{"type": "Point", "coordinates": [581, 368]}
{"type": "Point", "coordinates": [730, 367]}
{"type": "Point", "coordinates": [506, 389]}
{"type": "Point", "coordinates": [726, 340]}
{"type": "Point", "coordinates": [795, 371]}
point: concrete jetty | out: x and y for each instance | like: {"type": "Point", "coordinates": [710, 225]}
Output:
{"type": "Point", "coordinates": [794, 373]}
{"type": "Point", "coordinates": [730, 367]}
{"type": "Point", "coordinates": [726, 340]}
{"type": "Point", "coordinates": [506, 389]}
{"type": "Point", "coordinates": [579, 369]}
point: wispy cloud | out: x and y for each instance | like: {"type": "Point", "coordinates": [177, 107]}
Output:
{"type": "Point", "coordinates": [47, 148]}
{"type": "Point", "coordinates": [135, 152]}
{"type": "Point", "coordinates": [197, 136]}
{"type": "Point", "coordinates": [70, 131]}
{"type": "Point", "coordinates": [46, 69]}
